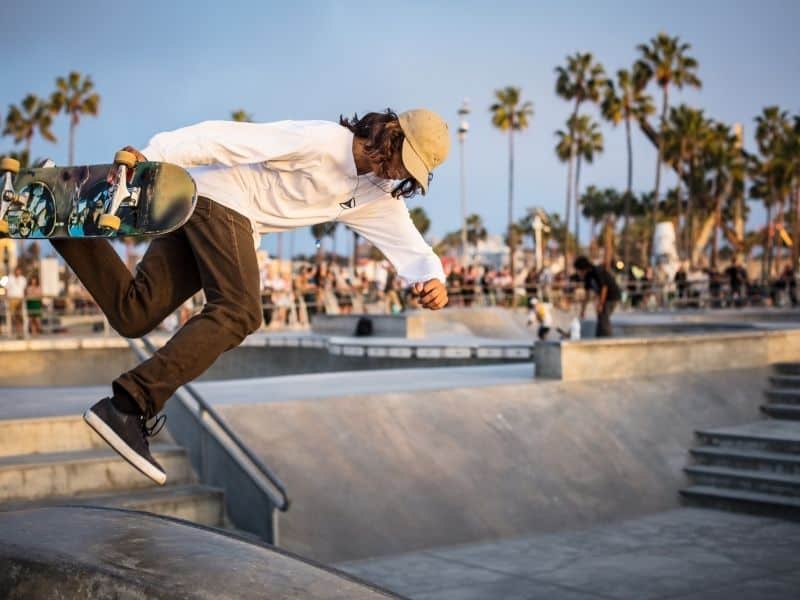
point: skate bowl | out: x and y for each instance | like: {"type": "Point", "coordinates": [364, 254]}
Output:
{"type": "Point", "coordinates": [385, 473]}
{"type": "Point", "coordinates": [85, 553]}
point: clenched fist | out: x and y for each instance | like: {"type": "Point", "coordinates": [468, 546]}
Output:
{"type": "Point", "coordinates": [432, 294]}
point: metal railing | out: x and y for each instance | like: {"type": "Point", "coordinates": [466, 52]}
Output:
{"type": "Point", "coordinates": [216, 435]}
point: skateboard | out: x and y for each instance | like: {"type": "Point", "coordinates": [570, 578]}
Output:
{"type": "Point", "coordinates": [124, 199]}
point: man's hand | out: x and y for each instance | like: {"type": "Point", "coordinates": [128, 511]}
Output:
{"type": "Point", "coordinates": [432, 294]}
{"type": "Point", "coordinates": [112, 173]}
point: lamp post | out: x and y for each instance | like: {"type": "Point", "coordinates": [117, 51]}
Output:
{"type": "Point", "coordinates": [463, 127]}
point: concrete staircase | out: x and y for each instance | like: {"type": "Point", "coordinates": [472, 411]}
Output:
{"type": "Point", "coordinates": [60, 460]}
{"type": "Point", "coordinates": [753, 467]}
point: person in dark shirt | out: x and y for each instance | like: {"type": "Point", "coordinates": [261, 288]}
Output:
{"type": "Point", "coordinates": [602, 283]}
{"type": "Point", "coordinates": [735, 281]}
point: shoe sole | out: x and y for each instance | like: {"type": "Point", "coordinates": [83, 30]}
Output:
{"type": "Point", "coordinates": [124, 450]}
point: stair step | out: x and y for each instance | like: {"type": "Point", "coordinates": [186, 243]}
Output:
{"type": "Point", "coordinates": [769, 435]}
{"type": "Point", "coordinates": [35, 476]}
{"type": "Point", "coordinates": [777, 462]}
{"type": "Point", "coordinates": [786, 368]}
{"type": "Point", "coordinates": [728, 498]}
{"type": "Point", "coordinates": [781, 381]}
{"type": "Point", "coordinates": [781, 411]}
{"type": "Point", "coordinates": [192, 502]}
{"type": "Point", "coordinates": [50, 434]}
{"type": "Point", "coordinates": [783, 395]}
{"type": "Point", "coordinates": [748, 479]}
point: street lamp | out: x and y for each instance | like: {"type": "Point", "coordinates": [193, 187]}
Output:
{"type": "Point", "coordinates": [463, 128]}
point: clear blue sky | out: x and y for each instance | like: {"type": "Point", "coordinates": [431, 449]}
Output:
{"type": "Point", "coordinates": [162, 65]}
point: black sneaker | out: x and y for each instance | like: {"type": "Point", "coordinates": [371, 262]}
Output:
{"type": "Point", "coordinates": [127, 434]}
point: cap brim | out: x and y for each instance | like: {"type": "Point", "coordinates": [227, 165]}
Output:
{"type": "Point", "coordinates": [414, 165]}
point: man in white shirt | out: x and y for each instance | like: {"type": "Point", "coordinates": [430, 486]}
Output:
{"type": "Point", "coordinates": [253, 178]}
{"type": "Point", "coordinates": [15, 296]}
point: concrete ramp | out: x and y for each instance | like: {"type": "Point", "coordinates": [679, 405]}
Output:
{"type": "Point", "coordinates": [76, 553]}
{"type": "Point", "coordinates": [384, 473]}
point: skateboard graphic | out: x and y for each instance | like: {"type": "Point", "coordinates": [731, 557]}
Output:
{"type": "Point", "coordinates": [126, 199]}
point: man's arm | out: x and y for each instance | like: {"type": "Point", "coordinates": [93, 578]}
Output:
{"type": "Point", "coordinates": [387, 224]}
{"type": "Point", "coordinates": [229, 143]}
{"type": "Point", "coordinates": [601, 301]}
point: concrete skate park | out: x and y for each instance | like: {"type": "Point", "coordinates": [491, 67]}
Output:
{"type": "Point", "coordinates": [449, 457]}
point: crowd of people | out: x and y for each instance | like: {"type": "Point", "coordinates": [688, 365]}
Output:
{"type": "Point", "coordinates": [292, 293]}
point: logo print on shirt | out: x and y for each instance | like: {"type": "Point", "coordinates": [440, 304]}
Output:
{"type": "Point", "coordinates": [349, 204]}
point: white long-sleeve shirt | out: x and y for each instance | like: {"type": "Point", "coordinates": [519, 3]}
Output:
{"type": "Point", "coordinates": [291, 174]}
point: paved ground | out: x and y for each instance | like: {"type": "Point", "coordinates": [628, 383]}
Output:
{"type": "Point", "coordinates": [691, 554]}
{"type": "Point", "coordinates": [48, 401]}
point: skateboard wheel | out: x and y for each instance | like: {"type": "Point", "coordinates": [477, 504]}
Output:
{"type": "Point", "coordinates": [125, 158]}
{"type": "Point", "coordinates": [109, 221]}
{"type": "Point", "coordinates": [3, 227]}
{"type": "Point", "coordinates": [9, 164]}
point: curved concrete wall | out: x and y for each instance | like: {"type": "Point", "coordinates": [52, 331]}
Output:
{"type": "Point", "coordinates": [389, 473]}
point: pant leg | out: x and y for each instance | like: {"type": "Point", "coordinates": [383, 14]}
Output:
{"type": "Point", "coordinates": [604, 320]}
{"type": "Point", "coordinates": [221, 242]}
{"type": "Point", "coordinates": [134, 304]}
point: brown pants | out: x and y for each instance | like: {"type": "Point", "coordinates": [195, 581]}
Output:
{"type": "Point", "coordinates": [213, 251]}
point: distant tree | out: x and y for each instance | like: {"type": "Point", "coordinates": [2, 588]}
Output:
{"type": "Point", "coordinates": [581, 80]}
{"type": "Point", "coordinates": [420, 219]}
{"type": "Point", "coordinates": [625, 100]}
{"type": "Point", "coordinates": [665, 59]}
{"type": "Point", "coordinates": [510, 114]}
{"type": "Point", "coordinates": [74, 96]}
{"type": "Point", "coordinates": [24, 121]}
{"type": "Point", "coordinates": [241, 116]}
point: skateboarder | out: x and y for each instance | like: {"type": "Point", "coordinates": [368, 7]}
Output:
{"type": "Point", "coordinates": [252, 178]}
{"type": "Point", "coordinates": [607, 293]}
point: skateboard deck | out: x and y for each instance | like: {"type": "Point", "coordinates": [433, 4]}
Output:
{"type": "Point", "coordinates": [79, 201]}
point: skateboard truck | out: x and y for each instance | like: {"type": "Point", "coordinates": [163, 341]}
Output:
{"type": "Point", "coordinates": [122, 161]}
{"type": "Point", "coordinates": [8, 168]}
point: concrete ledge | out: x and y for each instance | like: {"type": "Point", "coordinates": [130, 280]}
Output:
{"type": "Point", "coordinates": [637, 357]}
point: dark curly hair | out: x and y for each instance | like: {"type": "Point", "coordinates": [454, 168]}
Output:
{"type": "Point", "coordinates": [384, 138]}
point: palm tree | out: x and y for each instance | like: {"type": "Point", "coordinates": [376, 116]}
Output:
{"type": "Point", "coordinates": [772, 172]}
{"type": "Point", "coordinates": [75, 97]}
{"type": "Point", "coordinates": [622, 102]}
{"type": "Point", "coordinates": [23, 121]}
{"type": "Point", "coordinates": [582, 139]}
{"type": "Point", "coordinates": [580, 81]}
{"type": "Point", "coordinates": [683, 142]}
{"type": "Point", "coordinates": [476, 231]}
{"type": "Point", "coordinates": [725, 161]}
{"type": "Point", "coordinates": [593, 206]}
{"type": "Point", "coordinates": [319, 232]}
{"type": "Point", "coordinates": [510, 114]}
{"type": "Point", "coordinates": [666, 61]}
{"type": "Point", "coordinates": [240, 116]}
{"type": "Point", "coordinates": [420, 219]}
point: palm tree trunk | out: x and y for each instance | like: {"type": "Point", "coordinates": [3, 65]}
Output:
{"type": "Point", "coordinates": [660, 154]}
{"type": "Point", "coordinates": [766, 269]}
{"type": "Point", "coordinates": [72, 126]}
{"type": "Point", "coordinates": [511, 199]}
{"type": "Point", "coordinates": [717, 223]}
{"type": "Point", "coordinates": [567, 212]}
{"type": "Point", "coordinates": [628, 192]}
{"type": "Point", "coordinates": [577, 205]}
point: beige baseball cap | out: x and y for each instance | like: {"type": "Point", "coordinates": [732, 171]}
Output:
{"type": "Point", "coordinates": [427, 143]}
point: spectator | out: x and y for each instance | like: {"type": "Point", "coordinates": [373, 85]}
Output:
{"type": "Point", "coordinates": [33, 305]}
{"type": "Point", "coordinates": [15, 294]}
{"type": "Point", "coordinates": [735, 280]}
{"type": "Point", "coordinates": [596, 279]}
